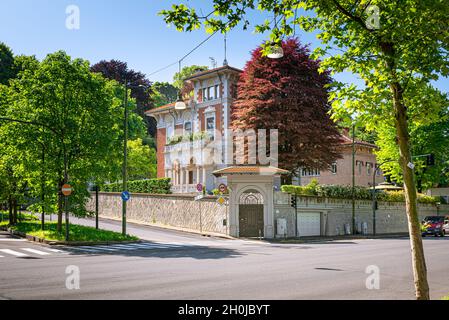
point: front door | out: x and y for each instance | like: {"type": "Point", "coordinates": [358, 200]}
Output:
{"type": "Point", "coordinates": [251, 220]}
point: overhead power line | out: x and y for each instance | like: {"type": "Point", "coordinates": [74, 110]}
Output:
{"type": "Point", "coordinates": [185, 56]}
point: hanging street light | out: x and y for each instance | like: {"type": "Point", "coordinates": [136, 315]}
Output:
{"type": "Point", "coordinates": [276, 51]}
{"type": "Point", "coordinates": [180, 104]}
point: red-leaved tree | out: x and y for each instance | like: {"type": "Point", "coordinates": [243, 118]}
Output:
{"type": "Point", "coordinates": [289, 94]}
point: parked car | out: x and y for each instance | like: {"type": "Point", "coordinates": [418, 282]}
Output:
{"type": "Point", "coordinates": [435, 225]}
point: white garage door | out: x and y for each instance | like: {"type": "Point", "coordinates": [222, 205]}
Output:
{"type": "Point", "coordinates": [309, 224]}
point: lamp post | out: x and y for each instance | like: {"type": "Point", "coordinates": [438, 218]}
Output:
{"type": "Point", "coordinates": [125, 151]}
{"type": "Point", "coordinates": [125, 159]}
{"type": "Point", "coordinates": [353, 178]}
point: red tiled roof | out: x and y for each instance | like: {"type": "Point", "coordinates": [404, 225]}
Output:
{"type": "Point", "coordinates": [161, 108]}
{"type": "Point", "coordinates": [253, 170]}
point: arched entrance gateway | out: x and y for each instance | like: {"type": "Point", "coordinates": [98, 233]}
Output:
{"type": "Point", "coordinates": [251, 199]}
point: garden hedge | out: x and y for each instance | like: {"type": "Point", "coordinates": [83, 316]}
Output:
{"type": "Point", "coordinates": [345, 192]}
{"type": "Point", "coordinates": [154, 186]}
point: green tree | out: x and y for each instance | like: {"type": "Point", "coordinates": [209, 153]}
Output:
{"type": "Point", "coordinates": [186, 88]}
{"type": "Point", "coordinates": [77, 119]}
{"type": "Point", "coordinates": [178, 78]}
{"type": "Point", "coordinates": [409, 42]}
{"type": "Point", "coordinates": [141, 161]}
{"type": "Point", "coordinates": [6, 64]}
{"type": "Point", "coordinates": [429, 129]}
{"type": "Point", "coordinates": [163, 93]}
{"type": "Point", "coordinates": [22, 63]}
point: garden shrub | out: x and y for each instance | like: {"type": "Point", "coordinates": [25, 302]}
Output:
{"type": "Point", "coordinates": [345, 192]}
{"type": "Point", "coordinates": [154, 186]}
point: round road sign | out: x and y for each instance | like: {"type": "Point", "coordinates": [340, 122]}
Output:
{"type": "Point", "coordinates": [223, 188]}
{"type": "Point", "coordinates": [66, 190]}
{"type": "Point", "coordinates": [126, 195]}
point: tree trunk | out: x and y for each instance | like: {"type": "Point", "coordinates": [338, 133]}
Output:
{"type": "Point", "coordinates": [10, 204]}
{"type": "Point", "coordinates": [60, 206]}
{"type": "Point", "coordinates": [417, 250]}
{"type": "Point", "coordinates": [14, 203]}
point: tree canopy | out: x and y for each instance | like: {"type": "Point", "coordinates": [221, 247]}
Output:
{"type": "Point", "coordinates": [6, 64]}
{"type": "Point", "coordinates": [68, 112]}
{"type": "Point", "coordinates": [141, 161]}
{"type": "Point", "coordinates": [140, 87]}
{"type": "Point", "coordinates": [163, 93]}
{"type": "Point", "coordinates": [290, 95]}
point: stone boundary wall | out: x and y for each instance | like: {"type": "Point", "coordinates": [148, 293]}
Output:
{"type": "Point", "coordinates": [179, 211]}
{"type": "Point", "coordinates": [335, 213]}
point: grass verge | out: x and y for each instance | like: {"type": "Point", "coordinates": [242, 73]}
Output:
{"type": "Point", "coordinates": [32, 226]}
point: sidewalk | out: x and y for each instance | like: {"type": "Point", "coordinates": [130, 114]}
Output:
{"type": "Point", "coordinates": [337, 238]}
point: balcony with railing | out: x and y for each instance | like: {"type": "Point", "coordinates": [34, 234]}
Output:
{"type": "Point", "coordinates": [188, 142]}
{"type": "Point", "coordinates": [185, 188]}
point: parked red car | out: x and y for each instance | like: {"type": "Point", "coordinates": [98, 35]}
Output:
{"type": "Point", "coordinates": [435, 225]}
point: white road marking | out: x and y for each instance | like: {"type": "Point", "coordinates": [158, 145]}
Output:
{"type": "Point", "coordinates": [41, 253]}
{"type": "Point", "coordinates": [12, 240]}
{"type": "Point", "coordinates": [1, 256]}
{"type": "Point", "coordinates": [14, 253]}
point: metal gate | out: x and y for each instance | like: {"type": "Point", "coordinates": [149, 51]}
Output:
{"type": "Point", "coordinates": [251, 220]}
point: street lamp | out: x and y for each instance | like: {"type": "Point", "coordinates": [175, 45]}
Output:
{"type": "Point", "coordinates": [180, 104]}
{"type": "Point", "coordinates": [276, 51]}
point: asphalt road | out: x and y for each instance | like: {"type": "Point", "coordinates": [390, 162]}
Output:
{"type": "Point", "coordinates": [176, 265]}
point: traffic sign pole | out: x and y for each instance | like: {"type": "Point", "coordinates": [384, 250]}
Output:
{"type": "Point", "coordinates": [66, 191]}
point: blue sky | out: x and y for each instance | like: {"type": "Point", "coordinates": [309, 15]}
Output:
{"type": "Point", "coordinates": [130, 31]}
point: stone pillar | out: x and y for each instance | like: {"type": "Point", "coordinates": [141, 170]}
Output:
{"type": "Point", "coordinates": [197, 174]}
{"type": "Point", "coordinates": [204, 176]}
{"type": "Point", "coordinates": [182, 176]}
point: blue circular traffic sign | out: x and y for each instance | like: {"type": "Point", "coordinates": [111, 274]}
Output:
{"type": "Point", "coordinates": [126, 196]}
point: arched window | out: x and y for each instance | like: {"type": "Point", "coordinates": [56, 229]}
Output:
{"type": "Point", "coordinates": [251, 197]}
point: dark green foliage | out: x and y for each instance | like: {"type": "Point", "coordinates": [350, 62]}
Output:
{"type": "Point", "coordinates": [6, 64]}
{"type": "Point", "coordinates": [154, 186]}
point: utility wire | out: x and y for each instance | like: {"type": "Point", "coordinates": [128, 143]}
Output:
{"type": "Point", "coordinates": [185, 56]}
